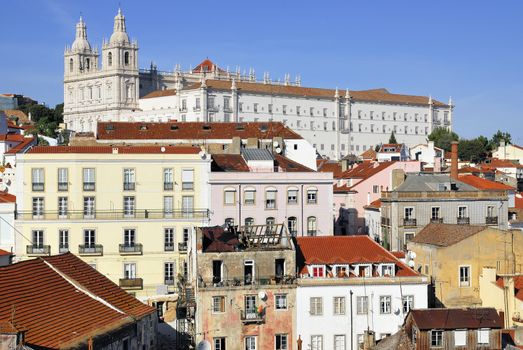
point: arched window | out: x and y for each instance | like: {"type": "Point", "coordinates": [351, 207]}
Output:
{"type": "Point", "coordinates": [110, 59]}
{"type": "Point", "coordinates": [229, 222]}
{"type": "Point", "coordinates": [87, 63]}
{"type": "Point", "coordinates": [269, 222]}
{"type": "Point", "coordinates": [71, 65]}
{"type": "Point", "coordinates": [249, 222]}
{"type": "Point", "coordinates": [311, 226]}
{"type": "Point", "coordinates": [292, 225]}
{"type": "Point", "coordinates": [126, 58]}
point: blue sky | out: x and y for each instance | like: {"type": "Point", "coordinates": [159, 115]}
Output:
{"type": "Point", "coordinates": [470, 50]}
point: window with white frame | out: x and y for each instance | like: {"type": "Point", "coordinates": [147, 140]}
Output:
{"type": "Point", "coordinates": [89, 207]}
{"type": "Point", "coordinates": [385, 304]}
{"type": "Point", "coordinates": [316, 342]}
{"type": "Point", "coordinates": [168, 205]}
{"type": "Point", "coordinates": [169, 240]}
{"type": "Point", "coordinates": [37, 179]}
{"type": "Point", "coordinates": [218, 304]}
{"type": "Point", "coordinates": [339, 342]}
{"type": "Point", "coordinates": [460, 337]}
{"type": "Point", "coordinates": [249, 197]}
{"type": "Point", "coordinates": [436, 338]}
{"type": "Point", "coordinates": [464, 276]}
{"type": "Point", "coordinates": [316, 306]}
{"type": "Point", "coordinates": [387, 270]}
{"type": "Point", "coordinates": [408, 303]}
{"type": "Point", "coordinates": [38, 239]}
{"type": "Point", "coordinates": [462, 212]}
{"type": "Point", "coordinates": [169, 273]}
{"type": "Point", "coordinates": [312, 196]}
{"type": "Point", "coordinates": [38, 207]}
{"type": "Point", "coordinates": [62, 207]}
{"type": "Point", "coordinates": [312, 228]}
{"type": "Point", "coordinates": [129, 270]}
{"type": "Point", "coordinates": [63, 240]}
{"type": "Point", "coordinates": [89, 238]}
{"type": "Point", "coordinates": [339, 305]}
{"type": "Point", "coordinates": [128, 206]}
{"type": "Point", "coordinates": [63, 179]}
{"type": "Point", "coordinates": [362, 306]}
{"type": "Point", "coordinates": [435, 212]}
{"type": "Point", "coordinates": [483, 336]}
{"type": "Point", "coordinates": [280, 301]}
{"type": "Point", "coordinates": [89, 179]}
{"type": "Point", "coordinates": [270, 199]}
{"type": "Point", "coordinates": [318, 271]}
{"type": "Point", "coordinates": [292, 196]}
{"type": "Point", "coordinates": [250, 343]}
{"type": "Point", "coordinates": [219, 343]}
{"type": "Point", "coordinates": [229, 197]}
{"type": "Point", "coordinates": [281, 342]}
{"type": "Point", "coordinates": [292, 225]}
{"type": "Point", "coordinates": [187, 179]}
{"type": "Point", "coordinates": [249, 222]}
{"type": "Point", "coordinates": [129, 180]}
{"type": "Point", "coordinates": [168, 179]}
{"type": "Point", "coordinates": [409, 213]}
{"type": "Point", "coordinates": [129, 237]}
{"type": "Point", "coordinates": [360, 339]}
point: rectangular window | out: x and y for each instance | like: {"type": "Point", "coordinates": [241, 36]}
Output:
{"type": "Point", "coordinates": [38, 239]}
{"type": "Point", "coordinates": [255, 108]}
{"type": "Point", "coordinates": [63, 179]}
{"type": "Point", "coordinates": [38, 207]}
{"type": "Point", "coordinates": [187, 179]}
{"type": "Point", "coordinates": [249, 197]}
{"type": "Point", "coordinates": [464, 276]}
{"type": "Point", "coordinates": [240, 106]}
{"type": "Point", "coordinates": [312, 196]}
{"type": "Point", "coordinates": [62, 207]}
{"type": "Point", "coordinates": [63, 241]}
{"type": "Point", "coordinates": [197, 104]}
{"type": "Point", "coordinates": [89, 238]}
{"type": "Point", "coordinates": [324, 112]}
{"type": "Point", "coordinates": [89, 207]}
{"type": "Point", "coordinates": [218, 304]}
{"type": "Point", "coordinates": [435, 213]}
{"type": "Point", "coordinates": [318, 271]}
{"type": "Point", "coordinates": [128, 206]}
{"type": "Point", "coordinates": [462, 212]}
{"type": "Point", "coordinates": [184, 105]}
{"type": "Point", "coordinates": [169, 273]}
{"type": "Point", "coordinates": [362, 305]}
{"type": "Point", "coordinates": [187, 206]}
{"type": "Point", "coordinates": [408, 303]}
{"type": "Point", "coordinates": [129, 237]}
{"type": "Point", "coordinates": [169, 240]}
{"type": "Point", "coordinates": [311, 125]}
{"type": "Point", "coordinates": [483, 336]}
{"type": "Point", "coordinates": [385, 306]}
{"type": "Point", "coordinates": [269, 108]}
{"type": "Point", "coordinates": [284, 109]}
{"type": "Point", "coordinates": [298, 110]}
{"type": "Point", "coordinates": [129, 183]}
{"type": "Point", "coordinates": [229, 197]}
{"type": "Point", "coordinates": [339, 342]}
{"type": "Point", "coordinates": [339, 305]}
{"type": "Point", "coordinates": [168, 179]}
{"type": "Point", "coordinates": [387, 270]}
{"type": "Point", "coordinates": [270, 200]}
{"type": "Point", "coordinates": [490, 211]}
{"type": "Point", "coordinates": [37, 179]}
{"type": "Point", "coordinates": [168, 206]}
{"type": "Point", "coordinates": [89, 179]}
{"type": "Point", "coordinates": [436, 338]}
{"type": "Point", "coordinates": [409, 213]}
{"type": "Point", "coordinates": [311, 111]}
{"type": "Point", "coordinates": [316, 342]}
{"type": "Point", "coordinates": [219, 343]}
{"type": "Point", "coordinates": [129, 271]}
{"type": "Point", "coordinates": [250, 343]}
{"type": "Point", "coordinates": [460, 337]}
{"type": "Point", "coordinates": [250, 306]}
{"type": "Point", "coordinates": [292, 196]}
{"type": "Point", "coordinates": [281, 341]}
{"type": "Point", "coordinates": [316, 306]}
{"type": "Point", "coordinates": [280, 301]}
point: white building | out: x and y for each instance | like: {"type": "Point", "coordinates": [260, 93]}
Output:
{"type": "Point", "coordinates": [429, 155]}
{"type": "Point", "coordinates": [336, 122]}
{"type": "Point", "coordinates": [350, 284]}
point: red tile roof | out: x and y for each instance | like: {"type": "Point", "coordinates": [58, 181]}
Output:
{"type": "Point", "coordinates": [445, 235]}
{"type": "Point", "coordinates": [60, 300]}
{"type": "Point", "coordinates": [493, 163]}
{"type": "Point", "coordinates": [327, 166]}
{"type": "Point", "coordinates": [518, 200]}
{"type": "Point", "coordinates": [471, 169]}
{"type": "Point", "coordinates": [192, 131]}
{"type": "Point", "coordinates": [374, 205]}
{"type": "Point", "coordinates": [346, 249]}
{"type": "Point", "coordinates": [22, 146]}
{"type": "Point", "coordinates": [121, 149]}
{"type": "Point", "coordinates": [160, 93]}
{"type": "Point", "coordinates": [206, 66]}
{"type": "Point", "coordinates": [375, 95]}
{"type": "Point", "coordinates": [4, 252]}
{"type": "Point", "coordinates": [518, 285]}
{"type": "Point", "coordinates": [369, 154]}
{"type": "Point", "coordinates": [391, 148]}
{"type": "Point", "coordinates": [235, 162]}
{"type": "Point", "coordinates": [12, 137]}
{"type": "Point", "coordinates": [7, 198]}
{"type": "Point", "coordinates": [426, 319]}
{"type": "Point", "coordinates": [484, 184]}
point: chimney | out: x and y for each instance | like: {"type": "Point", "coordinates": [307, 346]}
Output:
{"type": "Point", "coordinates": [369, 340]}
{"type": "Point", "coordinates": [454, 160]}
{"type": "Point", "coordinates": [398, 176]}
{"type": "Point", "coordinates": [344, 165]}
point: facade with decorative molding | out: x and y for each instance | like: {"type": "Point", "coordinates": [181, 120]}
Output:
{"type": "Point", "coordinates": [337, 122]}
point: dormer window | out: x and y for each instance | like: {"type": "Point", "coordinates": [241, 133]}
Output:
{"type": "Point", "coordinates": [364, 270]}
{"type": "Point", "coordinates": [318, 271]}
{"type": "Point", "coordinates": [387, 270]}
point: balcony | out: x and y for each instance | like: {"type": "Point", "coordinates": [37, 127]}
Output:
{"type": "Point", "coordinates": [187, 186]}
{"type": "Point", "coordinates": [409, 222]}
{"type": "Point", "coordinates": [131, 249]}
{"type": "Point", "coordinates": [312, 232]}
{"type": "Point", "coordinates": [168, 247]}
{"type": "Point", "coordinates": [168, 186]}
{"type": "Point", "coordinates": [37, 250]}
{"type": "Point", "coordinates": [63, 249]}
{"type": "Point", "coordinates": [89, 186]}
{"type": "Point", "coordinates": [129, 186]}
{"type": "Point", "coordinates": [169, 281]}
{"type": "Point", "coordinates": [436, 220]}
{"type": "Point", "coordinates": [218, 282]}
{"type": "Point", "coordinates": [131, 283]}
{"type": "Point", "coordinates": [140, 214]}
{"type": "Point", "coordinates": [252, 316]}
{"type": "Point", "coordinates": [182, 246]}
{"type": "Point", "coordinates": [91, 249]}
{"type": "Point", "coordinates": [38, 186]}
{"type": "Point", "coordinates": [491, 220]}
{"type": "Point", "coordinates": [63, 186]}
{"type": "Point", "coordinates": [463, 221]}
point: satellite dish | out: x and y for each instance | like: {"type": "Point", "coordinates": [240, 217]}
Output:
{"type": "Point", "coordinates": [412, 255]}
{"type": "Point", "coordinates": [278, 150]}
{"type": "Point", "coordinates": [202, 155]}
{"type": "Point", "coordinates": [162, 149]}
{"type": "Point", "coordinates": [262, 295]}
{"type": "Point", "coordinates": [411, 263]}
{"type": "Point", "coordinates": [203, 345]}
{"type": "Point", "coordinates": [275, 143]}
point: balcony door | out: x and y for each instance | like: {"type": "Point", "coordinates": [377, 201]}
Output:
{"type": "Point", "coordinates": [129, 271]}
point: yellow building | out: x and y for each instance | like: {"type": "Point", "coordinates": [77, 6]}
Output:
{"type": "Point", "coordinates": [454, 257]}
{"type": "Point", "coordinates": [127, 211]}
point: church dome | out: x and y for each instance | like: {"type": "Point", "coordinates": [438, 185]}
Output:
{"type": "Point", "coordinates": [80, 43]}
{"type": "Point", "coordinates": [119, 35]}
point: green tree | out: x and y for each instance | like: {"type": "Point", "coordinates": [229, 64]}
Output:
{"type": "Point", "coordinates": [474, 150]}
{"type": "Point", "coordinates": [392, 138]}
{"type": "Point", "coordinates": [45, 119]}
{"type": "Point", "coordinates": [500, 136]}
{"type": "Point", "coordinates": [443, 138]}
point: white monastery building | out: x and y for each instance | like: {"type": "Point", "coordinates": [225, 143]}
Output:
{"type": "Point", "coordinates": [336, 122]}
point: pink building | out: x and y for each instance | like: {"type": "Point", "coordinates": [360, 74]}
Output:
{"type": "Point", "coordinates": [257, 187]}
{"type": "Point", "coordinates": [358, 186]}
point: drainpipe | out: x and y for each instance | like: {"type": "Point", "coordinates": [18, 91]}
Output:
{"type": "Point", "coordinates": [239, 205]}
{"type": "Point", "coordinates": [351, 326]}
{"type": "Point", "coordinates": [302, 210]}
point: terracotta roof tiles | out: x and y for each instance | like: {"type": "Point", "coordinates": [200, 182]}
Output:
{"type": "Point", "coordinates": [160, 93]}
{"type": "Point", "coordinates": [7, 197]}
{"type": "Point", "coordinates": [427, 319]}
{"type": "Point", "coordinates": [121, 149]}
{"type": "Point", "coordinates": [23, 146]}
{"type": "Point", "coordinates": [192, 131]}
{"type": "Point", "coordinates": [484, 184]}
{"type": "Point", "coordinates": [4, 252]}
{"type": "Point", "coordinates": [445, 235]}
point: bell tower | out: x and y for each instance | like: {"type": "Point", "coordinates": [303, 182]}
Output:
{"type": "Point", "coordinates": [80, 57]}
